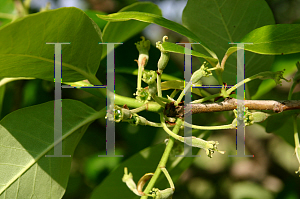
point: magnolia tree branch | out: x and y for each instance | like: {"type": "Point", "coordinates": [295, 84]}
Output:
{"type": "Point", "coordinates": [230, 104]}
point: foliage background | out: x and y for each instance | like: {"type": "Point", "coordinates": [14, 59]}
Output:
{"type": "Point", "coordinates": [270, 174]}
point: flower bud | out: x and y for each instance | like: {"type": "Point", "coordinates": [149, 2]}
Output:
{"type": "Point", "coordinates": [143, 95]}
{"type": "Point", "coordinates": [260, 116]}
{"type": "Point", "coordinates": [128, 179]}
{"type": "Point", "coordinates": [164, 56]}
{"type": "Point", "coordinates": [209, 146]}
{"type": "Point", "coordinates": [198, 74]}
{"type": "Point", "coordinates": [143, 48]}
{"type": "Point", "coordinates": [149, 77]}
{"type": "Point", "coordinates": [276, 76]}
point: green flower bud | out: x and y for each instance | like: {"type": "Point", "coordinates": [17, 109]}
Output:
{"type": "Point", "coordinates": [162, 194]}
{"type": "Point", "coordinates": [249, 117]}
{"type": "Point", "coordinates": [164, 56]}
{"type": "Point", "coordinates": [276, 76]}
{"type": "Point", "coordinates": [121, 114]}
{"type": "Point", "coordinates": [149, 77]}
{"type": "Point", "coordinates": [152, 89]}
{"type": "Point", "coordinates": [128, 179]}
{"type": "Point", "coordinates": [134, 120]}
{"type": "Point", "coordinates": [202, 72]}
{"type": "Point", "coordinates": [143, 48]}
{"type": "Point", "coordinates": [209, 146]}
{"type": "Point", "coordinates": [260, 116]}
{"type": "Point", "coordinates": [143, 95]}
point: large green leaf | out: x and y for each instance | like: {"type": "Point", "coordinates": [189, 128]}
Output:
{"type": "Point", "coordinates": [219, 23]}
{"type": "Point", "coordinates": [276, 39]}
{"type": "Point", "coordinates": [118, 32]}
{"type": "Point", "coordinates": [27, 135]}
{"type": "Point", "coordinates": [282, 124]}
{"type": "Point", "coordinates": [24, 52]}
{"type": "Point", "coordinates": [154, 18]}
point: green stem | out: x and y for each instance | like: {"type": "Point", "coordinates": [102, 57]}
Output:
{"type": "Point", "coordinates": [206, 98]}
{"type": "Point", "coordinates": [219, 76]}
{"type": "Point", "coordinates": [159, 93]}
{"type": "Point", "coordinates": [7, 16]}
{"type": "Point", "coordinates": [296, 137]}
{"type": "Point", "coordinates": [173, 94]}
{"type": "Point", "coordinates": [163, 159]}
{"type": "Point", "coordinates": [204, 92]}
{"type": "Point", "coordinates": [291, 90]}
{"type": "Point", "coordinates": [229, 91]}
{"type": "Point", "coordinates": [165, 127]}
{"type": "Point", "coordinates": [139, 109]}
{"type": "Point", "coordinates": [159, 101]}
{"type": "Point", "coordinates": [139, 80]}
{"type": "Point", "coordinates": [188, 86]}
{"type": "Point", "coordinates": [227, 126]}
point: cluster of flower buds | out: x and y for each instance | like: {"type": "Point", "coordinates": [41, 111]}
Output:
{"type": "Point", "coordinates": [149, 78]}
{"type": "Point", "coordinates": [202, 72]}
{"type": "Point", "coordinates": [248, 117]}
{"type": "Point", "coordinates": [209, 146]}
{"type": "Point", "coordinates": [276, 76]}
{"type": "Point", "coordinates": [143, 95]}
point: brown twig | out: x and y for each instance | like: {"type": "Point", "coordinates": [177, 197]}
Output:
{"type": "Point", "coordinates": [230, 104]}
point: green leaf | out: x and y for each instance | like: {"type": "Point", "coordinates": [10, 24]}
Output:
{"type": "Point", "coordinates": [7, 9]}
{"type": "Point", "coordinates": [27, 136]}
{"type": "Point", "coordinates": [219, 23]}
{"type": "Point", "coordinates": [178, 84]}
{"type": "Point", "coordinates": [276, 121]}
{"type": "Point", "coordinates": [281, 124]}
{"type": "Point", "coordinates": [92, 14]}
{"type": "Point", "coordinates": [276, 39]}
{"type": "Point", "coordinates": [24, 52]}
{"type": "Point", "coordinates": [171, 47]}
{"type": "Point", "coordinates": [154, 18]}
{"type": "Point", "coordinates": [118, 32]}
